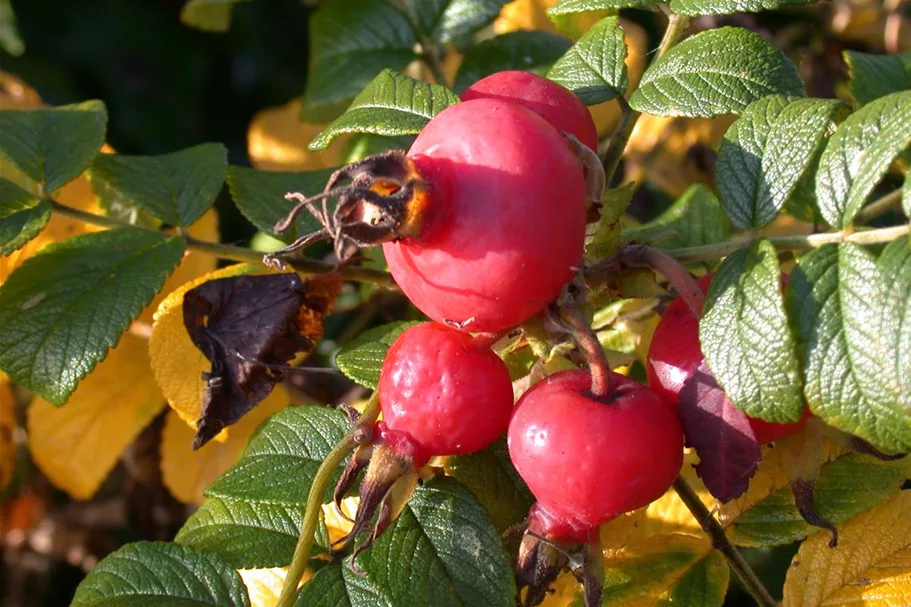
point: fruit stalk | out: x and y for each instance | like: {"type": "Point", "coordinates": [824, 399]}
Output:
{"type": "Point", "coordinates": [670, 268]}
{"type": "Point", "coordinates": [594, 353]}
{"type": "Point", "coordinates": [720, 541]}
{"type": "Point", "coordinates": [315, 501]}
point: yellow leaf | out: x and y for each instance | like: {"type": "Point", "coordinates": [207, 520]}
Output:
{"type": "Point", "coordinates": [336, 523]}
{"type": "Point", "coordinates": [77, 445]}
{"type": "Point", "coordinates": [277, 141]}
{"type": "Point", "coordinates": [7, 427]}
{"type": "Point", "coordinates": [187, 473]}
{"type": "Point", "coordinates": [263, 585]}
{"type": "Point", "coordinates": [525, 15]}
{"type": "Point", "coordinates": [193, 265]}
{"type": "Point", "coordinates": [871, 565]}
{"type": "Point", "coordinates": [178, 365]}
{"type": "Point", "coordinates": [669, 514]}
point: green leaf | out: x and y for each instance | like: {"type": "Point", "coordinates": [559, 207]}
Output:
{"type": "Point", "coordinates": [705, 584]}
{"type": "Point", "coordinates": [351, 41]}
{"type": "Point", "coordinates": [248, 536]}
{"type": "Point", "coordinates": [491, 477]}
{"type": "Point", "coordinates": [10, 40]}
{"type": "Point", "coordinates": [746, 338]}
{"type": "Point", "coordinates": [260, 196]}
{"type": "Point", "coordinates": [177, 188]}
{"type": "Point", "coordinates": [859, 154]}
{"type": "Point", "coordinates": [594, 68]}
{"type": "Point", "coordinates": [445, 20]}
{"type": "Point", "coordinates": [362, 145]}
{"type": "Point", "coordinates": [571, 7]}
{"type": "Point", "coordinates": [163, 575]}
{"type": "Point", "coordinates": [362, 359]}
{"type": "Point", "coordinates": [715, 72]}
{"type": "Point", "coordinates": [846, 487]}
{"type": "Point", "coordinates": [282, 457]}
{"type": "Point", "coordinates": [65, 307]}
{"type": "Point", "coordinates": [695, 8]}
{"type": "Point", "coordinates": [22, 216]}
{"type": "Point", "coordinates": [441, 551]}
{"type": "Point", "coordinates": [208, 15]}
{"type": "Point", "coordinates": [670, 569]}
{"type": "Point", "coordinates": [875, 76]}
{"type": "Point", "coordinates": [766, 152]}
{"type": "Point", "coordinates": [53, 146]}
{"type": "Point", "coordinates": [531, 51]}
{"type": "Point", "coordinates": [392, 104]}
{"type": "Point", "coordinates": [603, 238]}
{"type": "Point", "coordinates": [852, 319]}
{"type": "Point", "coordinates": [694, 219]}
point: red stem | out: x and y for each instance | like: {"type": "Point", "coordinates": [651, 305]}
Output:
{"type": "Point", "coordinates": [644, 256]}
{"type": "Point", "coordinates": [597, 361]}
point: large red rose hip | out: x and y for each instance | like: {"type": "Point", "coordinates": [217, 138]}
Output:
{"type": "Point", "coordinates": [503, 224]}
{"type": "Point", "coordinates": [544, 97]}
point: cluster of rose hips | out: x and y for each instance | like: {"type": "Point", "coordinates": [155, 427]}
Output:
{"type": "Point", "coordinates": [483, 224]}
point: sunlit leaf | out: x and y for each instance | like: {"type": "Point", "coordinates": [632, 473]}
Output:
{"type": "Point", "coordinates": [392, 104]}
{"type": "Point", "coordinates": [161, 574]}
{"type": "Point", "coordinates": [859, 154]}
{"type": "Point", "coordinates": [594, 69]}
{"type": "Point", "coordinates": [51, 332]}
{"type": "Point", "coordinates": [875, 76]}
{"type": "Point", "coordinates": [719, 71]}
{"type": "Point", "coordinates": [871, 565]}
{"type": "Point", "coordinates": [76, 446]}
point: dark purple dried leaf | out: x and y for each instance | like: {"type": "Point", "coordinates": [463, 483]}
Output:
{"type": "Point", "coordinates": [720, 433]}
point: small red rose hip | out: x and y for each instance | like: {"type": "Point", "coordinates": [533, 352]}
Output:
{"type": "Point", "coordinates": [502, 223]}
{"type": "Point", "coordinates": [675, 353]}
{"type": "Point", "coordinates": [445, 390]}
{"type": "Point", "coordinates": [442, 392]}
{"type": "Point", "coordinates": [544, 97]}
{"type": "Point", "coordinates": [586, 460]}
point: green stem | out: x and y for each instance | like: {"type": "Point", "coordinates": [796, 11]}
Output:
{"type": "Point", "coordinates": [315, 502]}
{"type": "Point", "coordinates": [234, 253]}
{"type": "Point", "coordinates": [431, 56]}
{"type": "Point", "coordinates": [721, 542]}
{"type": "Point", "coordinates": [798, 242]}
{"type": "Point", "coordinates": [883, 205]}
{"type": "Point", "coordinates": [676, 25]}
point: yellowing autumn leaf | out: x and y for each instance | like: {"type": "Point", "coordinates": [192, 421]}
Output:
{"type": "Point", "coordinates": [193, 264]}
{"type": "Point", "coordinates": [277, 141]}
{"type": "Point", "coordinates": [871, 565]}
{"type": "Point", "coordinates": [177, 364]}
{"type": "Point", "coordinates": [7, 426]}
{"type": "Point", "coordinates": [77, 444]}
{"type": "Point", "coordinates": [187, 473]}
{"type": "Point", "coordinates": [263, 585]}
{"type": "Point", "coordinates": [669, 515]}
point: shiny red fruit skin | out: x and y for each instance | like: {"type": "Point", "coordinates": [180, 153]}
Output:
{"type": "Point", "coordinates": [446, 391]}
{"type": "Point", "coordinates": [544, 97]}
{"type": "Point", "coordinates": [675, 353]}
{"type": "Point", "coordinates": [505, 223]}
{"type": "Point", "coordinates": [588, 461]}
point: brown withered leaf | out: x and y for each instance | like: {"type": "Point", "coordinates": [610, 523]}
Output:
{"type": "Point", "coordinates": [250, 328]}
